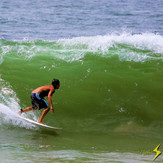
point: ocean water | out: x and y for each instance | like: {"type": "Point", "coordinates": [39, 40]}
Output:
{"type": "Point", "coordinates": [108, 56]}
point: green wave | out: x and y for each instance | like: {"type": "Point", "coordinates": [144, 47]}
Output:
{"type": "Point", "coordinates": [101, 90]}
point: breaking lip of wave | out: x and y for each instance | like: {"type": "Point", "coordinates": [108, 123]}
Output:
{"type": "Point", "coordinates": [137, 47]}
{"type": "Point", "coordinates": [128, 47]}
{"type": "Point", "coordinates": [142, 41]}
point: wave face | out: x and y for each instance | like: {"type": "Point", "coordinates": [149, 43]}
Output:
{"type": "Point", "coordinates": [107, 82]}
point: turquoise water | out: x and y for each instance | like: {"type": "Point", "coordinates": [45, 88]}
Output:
{"type": "Point", "coordinates": [110, 65]}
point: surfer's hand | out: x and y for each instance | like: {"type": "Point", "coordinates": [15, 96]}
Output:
{"type": "Point", "coordinates": [52, 110]}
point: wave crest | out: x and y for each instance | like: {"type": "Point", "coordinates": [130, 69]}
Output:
{"type": "Point", "coordinates": [128, 47]}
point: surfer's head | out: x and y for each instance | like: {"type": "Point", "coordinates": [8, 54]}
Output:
{"type": "Point", "coordinates": [56, 83]}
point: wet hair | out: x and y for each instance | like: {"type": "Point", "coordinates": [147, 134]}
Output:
{"type": "Point", "coordinates": [55, 82]}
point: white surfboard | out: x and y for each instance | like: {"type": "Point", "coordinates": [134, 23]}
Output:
{"type": "Point", "coordinates": [39, 124]}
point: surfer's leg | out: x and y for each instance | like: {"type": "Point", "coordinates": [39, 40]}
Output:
{"type": "Point", "coordinates": [45, 111]}
{"type": "Point", "coordinates": [27, 109]}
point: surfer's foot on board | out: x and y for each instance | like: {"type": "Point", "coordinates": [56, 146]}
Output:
{"type": "Point", "coordinates": [41, 122]}
{"type": "Point", "coordinates": [20, 112]}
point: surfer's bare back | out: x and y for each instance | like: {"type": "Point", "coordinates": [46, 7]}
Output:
{"type": "Point", "coordinates": [38, 101]}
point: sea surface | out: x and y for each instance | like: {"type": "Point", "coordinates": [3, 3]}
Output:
{"type": "Point", "coordinates": [108, 56]}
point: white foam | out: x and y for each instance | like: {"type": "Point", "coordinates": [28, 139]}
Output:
{"type": "Point", "coordinates": [137, 47]}
{"type": "Point", "coordinates": [9, 107]}
{"type": "Point", "coordinates": [124, 45]}
{"type": "Point", "coordinates": [9, 117]}
{"type": "Point", "coordinates": [143, 41]}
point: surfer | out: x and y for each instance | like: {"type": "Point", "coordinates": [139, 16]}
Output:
{"type": "Point", "coordinates": [38, 101]}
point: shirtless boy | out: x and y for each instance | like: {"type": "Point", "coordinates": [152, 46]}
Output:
{"type": "Point", "coordinates": [38, 101]}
